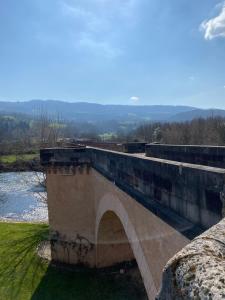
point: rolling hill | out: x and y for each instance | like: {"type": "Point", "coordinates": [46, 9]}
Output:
{"type": "Point", "coordinates": [95, 113]}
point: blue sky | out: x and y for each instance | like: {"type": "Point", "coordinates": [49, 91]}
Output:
{"type": "Point", "coordinates": [114, 51]}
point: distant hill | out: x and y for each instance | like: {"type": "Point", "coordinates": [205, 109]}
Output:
{"type": "Point", "coordinates": [197, 113]}
{"type": "Point", "coordinates": [98, 113]}
{"type": "Point", "coordinates": [92, 112]}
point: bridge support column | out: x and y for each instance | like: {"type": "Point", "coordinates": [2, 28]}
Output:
{"type": "Point", "coordinates": [71, 214]}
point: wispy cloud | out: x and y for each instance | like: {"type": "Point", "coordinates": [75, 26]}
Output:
{"type": "Point", "coordinates": [215, 27]}
{"type": "Point", "coordinates": [98, 23]}
{"type": "Point", "coordinates": [98, 47]}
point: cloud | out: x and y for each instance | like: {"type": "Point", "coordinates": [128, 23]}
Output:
{"type": "Point", "coordinates": [98, 47]}
{"type": "Point", "coordinates": [134, 99]}
{"type": "Point", "coordinates": [97, 25]}
{"type": "Point", "coordinates": [214, 27]}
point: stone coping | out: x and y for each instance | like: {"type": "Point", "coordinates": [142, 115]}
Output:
{"type": "Point", "coordinates": [188, 146]}
{"type": "Point", "coordinates": [164, 161]}
{"type": "Point", "coordinates": [135, 156]}
{"type": "Point", "coordinates": [198, 270]}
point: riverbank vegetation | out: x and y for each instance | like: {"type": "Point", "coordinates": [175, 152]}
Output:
{"type": "Point", "coordinates": [13, 158]}
{"type": "Point", "coordinates": [20, 162]}
{"type": "Point", "coordinates": [25, 276]}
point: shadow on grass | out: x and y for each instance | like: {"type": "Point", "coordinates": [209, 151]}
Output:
{"type": "Point", "coordinates": [20, 267]}
{"type": "Point", "coordinates": [25, 276]}
{"type": "Point", "coordinates": [78, 284]}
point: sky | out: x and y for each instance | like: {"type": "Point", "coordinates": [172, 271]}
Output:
{"type": "Point", "coordinates": [140, 52]}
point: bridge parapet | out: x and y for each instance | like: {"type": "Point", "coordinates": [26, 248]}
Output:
{"type": "Point", "coordinates": [192, 191]}
{"type": "Point", "coordinates": [64, 156]}
{"type": "Point", "coordinates": [198, 270]}
{"type": "Point", "coordinates": [213, 156]}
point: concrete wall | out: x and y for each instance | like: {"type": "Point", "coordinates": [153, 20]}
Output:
{"type": "Point", "coordinates": [65, 157]}
{"type": "Point", "coordinates": [133, 147]}
{"type": "Point", "coordinates": [203, 155]}
{"type": "Point", "coordinates": [193, 192]}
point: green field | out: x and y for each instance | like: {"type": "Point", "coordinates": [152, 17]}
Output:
{"type": "Point", "coordinates": [12, 158]}
{"type": "Point", "coordinates": [23, 275]}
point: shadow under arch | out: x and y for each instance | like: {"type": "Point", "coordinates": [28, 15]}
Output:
{"type": "Point", "coordinates": [120, 243]}
{"type": "Point", "coordinates": [113, 246]}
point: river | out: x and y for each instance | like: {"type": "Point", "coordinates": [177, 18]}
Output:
{"type": "Point", "coordinates": [22, 197]}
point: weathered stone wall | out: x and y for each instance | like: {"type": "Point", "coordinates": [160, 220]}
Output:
{"type": "Point", "coordinates": [203, 155]}
{"type": "Point", "coordinates": [105, 145]}
{"type": "Point", "coordinates": [65, 157]}
{"type": "Point", "coordinates": [134, 147]}
{"type": "Point", "coordinates": [198, 270]}
{"type": "Point", "coordinates": [193, 192]}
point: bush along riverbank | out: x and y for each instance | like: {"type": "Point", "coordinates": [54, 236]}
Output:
{"type": "Point", "coordinates": [24, 275]}
{"type": "Point", "coordinates": [19, 163]}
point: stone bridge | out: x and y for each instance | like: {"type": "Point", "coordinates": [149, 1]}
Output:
{"type": "Point", "coordinates": [107, 207]}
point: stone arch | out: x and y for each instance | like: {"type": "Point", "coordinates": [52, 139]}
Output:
{"type": "Point", "coordinates": [112, 243]}
{"type": "Point", "coordinates": [110, 209]}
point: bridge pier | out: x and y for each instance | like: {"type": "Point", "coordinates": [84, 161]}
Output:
{"type": "Point", "coordinates": [71, 215]}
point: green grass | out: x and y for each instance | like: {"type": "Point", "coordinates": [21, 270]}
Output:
{"type": "Point", "coordinates": [12, 158]}
{"type": "Point", "coordinates": [23, 275]}
{"type": "Point", "coordinates": [107, 136]}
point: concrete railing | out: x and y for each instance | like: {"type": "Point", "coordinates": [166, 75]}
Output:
{"type": "Point", "coordinates": [64, 157]}
{"type": "Point", "coordinates": [193, 192]}
{"type": "Point", "coordinates": [202, 155]}
{"type": "Point", "coordinates": [198, 270]}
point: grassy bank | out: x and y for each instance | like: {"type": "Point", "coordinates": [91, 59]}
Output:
{"type": "Point", "coordinates": [20, 162]}
{"type": "Point", "coordinates": [23, 275]}
{"type": "Point", "coordinates": [12, 158]}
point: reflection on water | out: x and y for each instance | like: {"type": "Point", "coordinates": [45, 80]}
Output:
{"type": "Point", "coordinates": [22, 197]}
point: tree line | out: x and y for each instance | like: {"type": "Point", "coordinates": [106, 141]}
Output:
{"type": "Point", "coordinates": [23, 134]}
{"type": "Point", "coordinates": [209, 131]}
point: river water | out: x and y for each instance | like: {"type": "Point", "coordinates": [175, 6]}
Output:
{"type": "Point", "coordinates": [23, 197]}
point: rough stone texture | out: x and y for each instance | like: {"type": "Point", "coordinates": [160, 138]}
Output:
{"type": "Point", "coordinates": [203, 155]}
{"type": "Point", "coordinates": [198, 270]}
